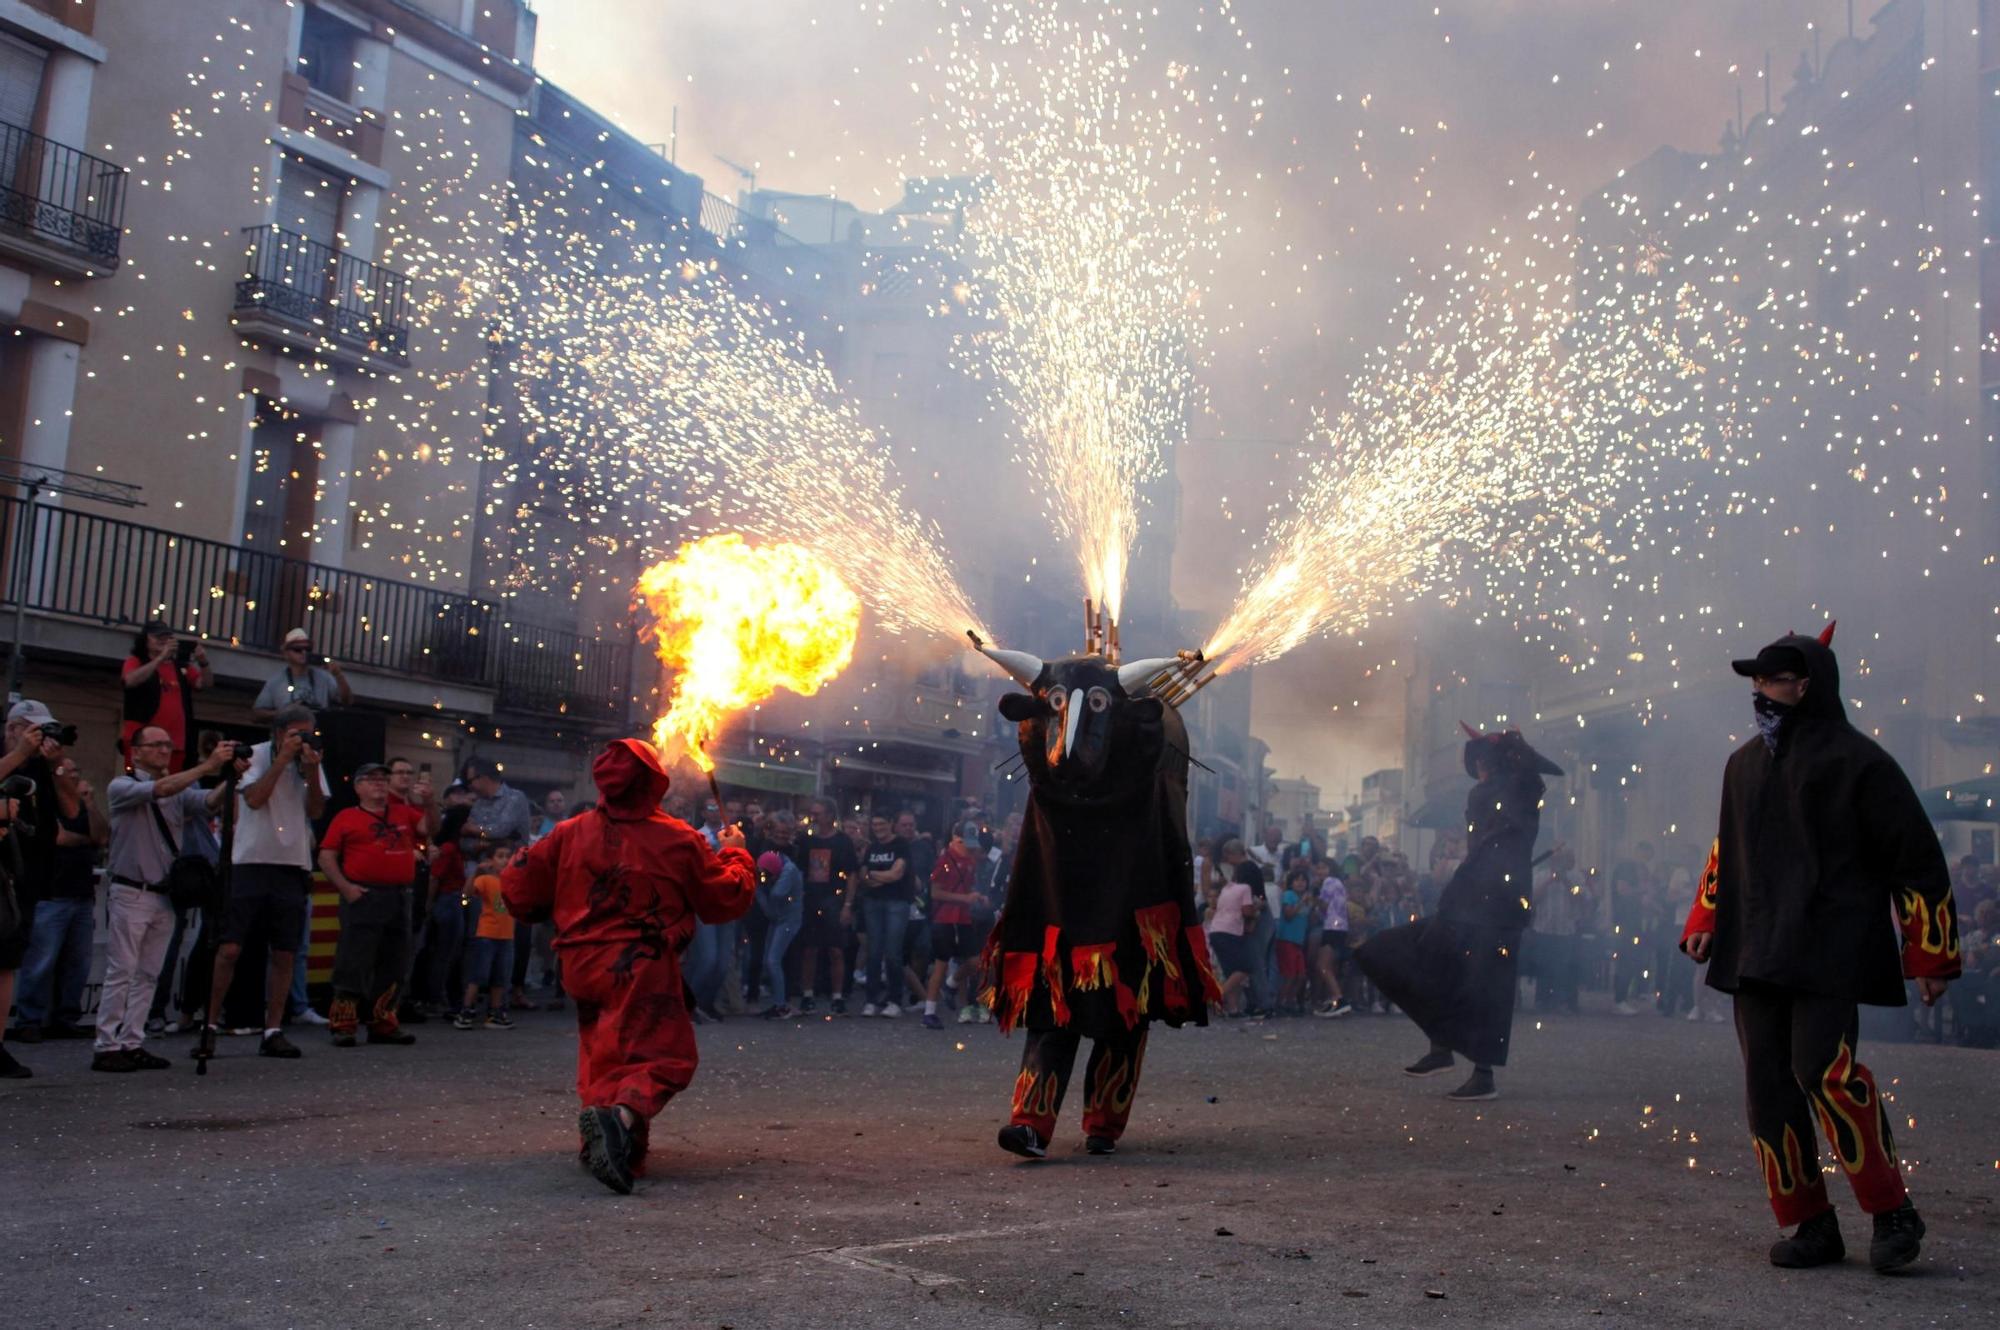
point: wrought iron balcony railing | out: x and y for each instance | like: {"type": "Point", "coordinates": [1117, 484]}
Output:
{"type": "Point", "coordinates": [61, 196]}
{"type": "Point", "coordinates": [109, 571]}
{"type": "Point", "coordinates": [341, 298]}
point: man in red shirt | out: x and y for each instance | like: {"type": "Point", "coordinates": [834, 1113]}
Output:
{"type": "Point", "coordinates": [626, 886]}
{"type": "Point", "coordinates": [954, 891]}
{"type": "Point", "coordinates": [369, 854]}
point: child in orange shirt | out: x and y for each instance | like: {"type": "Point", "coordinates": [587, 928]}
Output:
{"type": "Point", "coordinates": [489, 962]}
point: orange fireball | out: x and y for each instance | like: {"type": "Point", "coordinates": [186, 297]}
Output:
{"type": "Point", "coordinates": [733, 623]}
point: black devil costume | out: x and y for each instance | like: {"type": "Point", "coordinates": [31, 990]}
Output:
{"type": "Point", "coordinates": [1099, 935]}
{"type": "Point", "coordinates": [1454, 972]}
{"type": "Point", "coordinates": [1825, 887]}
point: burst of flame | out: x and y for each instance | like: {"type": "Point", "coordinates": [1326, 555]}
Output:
{"type": "Point", "coordinates": [733, 623]}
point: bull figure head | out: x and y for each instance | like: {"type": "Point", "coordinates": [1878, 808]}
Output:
{"type": "Point", "coordinates": [1076, 712]}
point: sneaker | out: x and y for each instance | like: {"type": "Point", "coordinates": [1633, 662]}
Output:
{"type": "Point", "coordinates": [10, 1070]}
{"type": "Point", "coordinates": [869, 1009]}
{"type": "Point", "coordinates": [1694, 1014]}
{"type": "Point", "coordinates": [968, 1013]}
{"type": "Point", "coordinates": [115, 1060]}
{"type": "Point", "coordinates": [1479, 1085]}
{"type": "Point", "coordinates": [463, 1021]}
{"type": "Point", "coordinates": [500, 1021]}
{"type": "Point", "coordinates": [1100, 1145]}
{"type": "Point", "coordinates": [181, 1026]}
{"type": "Point", "coordinates": [148, 1061]}
{"type": "Point", "coordinates": [1338, 1007]}
{"type": "Point", "coordinates": [807, 1006]}
{"type": "Point", "coordinates": [1817, 1242]}
{"type": "Point", "coordinates": [1624, 1009]}
{"type": "Point", "coordinates": [838, 1006]}
{"type": "Point", "coordinates": [931, 1021]}
{"type": "Point", "coordinates": [985, 1014]}
{"type": "Point", "coordinates": [1898, 1237]}
{"type": "Point", "coordinates": [277, 1046]}
{"type": "Point", "coordinates": [891, 1010]}
{"type": "Point", "coordinates": [1430, 1064]}
{"type": "Point", "coordinates": [398, 1037]}
{"type": "Point", "coordinates": [1023, 1141]}
{"type": "Point", "coordinates": [156, 1025]}
{"type": "Point", "coordinates": [310, 1017]}
{"type": "Point", "coordinates": [607, 1148]}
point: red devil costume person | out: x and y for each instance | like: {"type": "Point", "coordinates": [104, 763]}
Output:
{"type": "Point", "coordinates": [626, 885]}
{"type": "Point", "coordinates": [1099, 935]}
{"type": "Point", "coordinates": [1454, 972]}
{"type": "Point", "coordinates": [1822, 851]}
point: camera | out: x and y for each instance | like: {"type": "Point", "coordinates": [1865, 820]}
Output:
{"type": "Point", "coordinates": [62, 734]}
{"type": "Point", "coordinates": [183, 651]}
{"type": "Point", "coordinates": [318, 658]}
{"type": "Point", "coordinates": [315, 742]}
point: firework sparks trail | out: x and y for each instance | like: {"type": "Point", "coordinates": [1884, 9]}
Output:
{"type": "Point", "coordinates": [1095, 213]}
{"type": "Point", "coordinates": [733, 624]}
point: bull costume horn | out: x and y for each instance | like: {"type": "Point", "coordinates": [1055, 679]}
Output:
{"type": "Point", "coordinates": [1470, 733]}
{"type": "Point", "coordinates": [1826, 633]}
{"type": "Point", "coordinates": [1140, 673]}
{"type": "Point", "coordinates": [1022, 667]}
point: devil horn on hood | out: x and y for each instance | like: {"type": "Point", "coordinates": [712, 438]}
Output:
{"type": "Point", "coordinates": [1826, 633]}
{"type": "Point", "coordinates": [1135, 676]}
{"type": "Point", "coordinates": [1024, 668]}
{"type": "Point", "coordinates": [1470, 733]}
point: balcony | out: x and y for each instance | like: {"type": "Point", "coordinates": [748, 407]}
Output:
{"type": "Point", "coordinates": [110, 572]}
{"type": "Point", "coordinates": [60, 209]}
{"type": "Point", "coordinates": [312, 297]}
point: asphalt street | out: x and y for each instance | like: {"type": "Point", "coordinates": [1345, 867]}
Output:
{"type": "Point", "coordinates": [843, 1173]}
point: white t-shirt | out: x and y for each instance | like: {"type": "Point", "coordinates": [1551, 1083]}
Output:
{"type": "Point", "coordinates": [279, 832]}
{"type": "Point", "coordinates": [1228, 916]}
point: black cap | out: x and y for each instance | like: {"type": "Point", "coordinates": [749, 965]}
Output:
{"type": "Point", "coordinates": [1773, 659]}
{"type": "Point", "coordinates": [370, 769]}
{"type": "Point", "coordinates": [158, 628]}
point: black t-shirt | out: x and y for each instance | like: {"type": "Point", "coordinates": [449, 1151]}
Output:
{"type": "Point", "coordinates": [73, 876]}
{"type": "Point", "coordinates": [880, 857]}
{"type": "Point", "coordinates": [826, 862]}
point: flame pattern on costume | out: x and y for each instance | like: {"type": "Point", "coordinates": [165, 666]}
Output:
{"type": "Point", "coordinates": [1930, 936]}
{"type": "Point", "coordinates": [1797, 1193]}
{"type": "Point", "coordinates": [1111, 1081]}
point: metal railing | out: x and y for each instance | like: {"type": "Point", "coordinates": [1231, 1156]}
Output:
{"type": "Point", "coordinates": [347, 299]}
{"type": "Point", "coordinates": [117, 573]}
{"type": "Point", "coordinates": [61, 195]}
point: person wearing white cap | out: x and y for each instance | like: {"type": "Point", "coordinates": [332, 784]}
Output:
{"type": "Point", "coordinates": [318, 684]}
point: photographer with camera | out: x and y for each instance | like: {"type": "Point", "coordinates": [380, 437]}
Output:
{"type": "Point", "coordinates": [283, 790]}
{"type": "Point", "coordinates": [162, 675]}
{"type": "Point", "coordinates": [29, 803]}
{"type": "Point", "coordinates": [48, 997]}
{"type": "Point", "coordinates": [308, 680]}
{"type": "Point", "coordinates": [151, 811]}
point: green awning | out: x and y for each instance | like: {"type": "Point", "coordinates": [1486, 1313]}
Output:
{"type": "Point", "coordinates": [758, 776]}
{"type": "Point", "coordinates": [1974, 800]}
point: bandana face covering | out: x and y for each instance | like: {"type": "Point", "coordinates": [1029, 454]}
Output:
{"type": "Point", "coordinates": [1771, 718]}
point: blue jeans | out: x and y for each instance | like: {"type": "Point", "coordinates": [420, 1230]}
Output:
{"type": "Point", "coordinates": [777, 939]}
{"type": "Point", "coordinates": [887, 921]}
{"type": "Point", "coordinates": [447, 935]}
{"type": "Point", "coordinates": [707, 960]}
{"type": "Point", "coordinates": [58, 956]}
{"type": "Point", "coordinates": [1263, 976]}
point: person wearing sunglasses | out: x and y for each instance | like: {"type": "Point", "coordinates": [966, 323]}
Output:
{"type": "Point", "coordinates": [308, 680]}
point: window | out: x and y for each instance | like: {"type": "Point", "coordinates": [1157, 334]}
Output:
{"type": "Point", "coordinates": [326, 54]}
{"type": "Point", "coordinates": [310, 198]}
{"type": "Point", "coordinates": [20, 81]}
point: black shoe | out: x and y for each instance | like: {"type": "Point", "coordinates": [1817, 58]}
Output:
{"type": "Point", "coordinates": [838, 1006]}
{"type": "Point", "coordinates": [1479, 1085]}
{"type": "Point", "coordinates": [400, 1038]}
{"type": "Point", "coordinates": [26, 1034]}
{"type": "Point", "coordinates": [117, 1060]}
{"type": "Point", "coordinates": [1023, 1141]}
{"type": "Point", "coordinates": [607, 1148]}
{"type": "Point", "coordinates": [146, 1061]}
{"type": "Point", "coordinates": [277, 1046]}
{"type": "Point", "coordinates": [807, 1006]}
{"type": "Point", "coordinates": [11, 1070]}
{"type": "Point", "coordinates": [1899, 1236]}
{"type": "Point", "coordinates": [1817, 1242]}
{"type": "Point", "coordinates": [1100, 1145]}
{"type": "Point", "coordinates": [1430, 1064]}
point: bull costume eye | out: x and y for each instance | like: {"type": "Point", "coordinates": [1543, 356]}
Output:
{"type": "Point", "coordinates": [1099, 701]}
{"type": "Point", "coordinates": [1059, 699]}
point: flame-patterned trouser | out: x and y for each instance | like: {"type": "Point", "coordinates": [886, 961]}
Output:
{"type": "Point", "coordinates": [1111, 1079]}
{"type": "Point", "coordinates": [1798, 1062]}
{"type": "Point", "coordinates": [368, 962]}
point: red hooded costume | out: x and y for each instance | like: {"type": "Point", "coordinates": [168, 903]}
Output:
{"type": "Point", "coordinates": [626, 885]}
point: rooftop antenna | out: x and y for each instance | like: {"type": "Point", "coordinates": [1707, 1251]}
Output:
{"type": "Point", "coordinates": [749, 176]}
{"type": "Point", "coordinates": [1767, 84]}
{"type": "Point", "coordinates": [1850, 20]}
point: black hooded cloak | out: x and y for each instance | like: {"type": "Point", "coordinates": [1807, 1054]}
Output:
{"type": "Point", "coordinates": [1454, 972]}
{"type": "Point", "coordinates": [1822, 846]}
{"type": "Point", "coordinates": [1099, 932]}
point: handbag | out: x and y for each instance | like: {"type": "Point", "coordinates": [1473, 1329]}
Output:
{"type": "Point", "coordinates": [191, 881]}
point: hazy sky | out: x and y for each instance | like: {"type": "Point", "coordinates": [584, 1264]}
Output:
{"type": "Point", "coordinates": [1392, 128]}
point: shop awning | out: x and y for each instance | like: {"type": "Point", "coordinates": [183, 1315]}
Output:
{"type": "Point", "coordinates": [777, 780]}
{"type": "Point", "coordinates": [1973, 800]}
